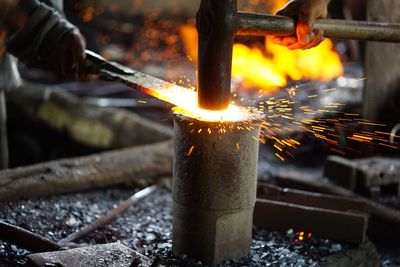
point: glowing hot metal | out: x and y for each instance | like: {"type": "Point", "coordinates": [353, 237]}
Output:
{"type": "Point", "coordinates": [184, 99]}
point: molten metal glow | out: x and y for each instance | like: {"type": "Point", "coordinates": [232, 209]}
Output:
{"type": "Point", "coordinates": [268, 68]}
{"type": "Point", "coordinates": [185, 101]}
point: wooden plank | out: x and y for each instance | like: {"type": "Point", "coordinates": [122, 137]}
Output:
{"type": "Point", "coordinates": [95, 127]}
{"type": "Point", "coordinates": [138, 165]}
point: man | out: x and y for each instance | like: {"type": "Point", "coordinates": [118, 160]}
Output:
{"type": "Point", "coordinates": [38, 35]}
{"type": "Point", "coordinates": [305, 12]}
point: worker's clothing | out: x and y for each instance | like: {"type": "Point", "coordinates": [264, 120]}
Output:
{"type": "Point", "coordinates": [44, 28]}
{"type": "Point", "coordinates": [9, 79]}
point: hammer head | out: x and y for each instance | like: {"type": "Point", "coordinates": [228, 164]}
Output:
{"type": "Point", "coordinates": [217, 27]}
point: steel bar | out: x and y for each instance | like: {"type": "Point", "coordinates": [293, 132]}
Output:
{"type": "Point", "coordinates": [304, 182]}
{"type": "Point", "coordinates": [262, 24]}
{"type": "Point", "coordinates": [359, 175]}
{"type": "Point", "coordinates": [110, 216]}
{"type": "Point", "coordinates": [317, 200]}
{"type": "Point", "coordinates": [26, 239]}
{"type": "Point", "coordinates": [214, 189]}
{"type": "Point", "coordinates": [328, 216]}
{"type": "Point", "coordinates": [337, 225]}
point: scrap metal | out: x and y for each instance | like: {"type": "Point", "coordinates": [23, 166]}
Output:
{"type": "Point", "coordinates": [367, 176]}
{"type": "Point", "coordinates": [337, 218]}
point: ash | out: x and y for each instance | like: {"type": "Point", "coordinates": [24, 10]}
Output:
{"type": "Point", "coordinates": [146, 228]}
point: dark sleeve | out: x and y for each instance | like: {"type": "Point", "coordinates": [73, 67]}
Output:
{"type": "Point", "coordinates": [43, 29]}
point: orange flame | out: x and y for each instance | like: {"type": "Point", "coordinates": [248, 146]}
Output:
{"type": "Point", "coordinates": [277, 4]}
{"type": "Point", "coordinates": [269, 69]}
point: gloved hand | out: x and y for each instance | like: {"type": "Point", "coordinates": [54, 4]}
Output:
{"type": "Point", "coordinates": [305, 12]}
{"type": "Point", "coordinates": [45, 39]}
{"type": "Point", "coordinates": [66, 59]}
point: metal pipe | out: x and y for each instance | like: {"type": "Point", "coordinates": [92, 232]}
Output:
{"type": "Point", "coordinates": [262, 24]}
{"type": "Point", "coordinates": [214, 189]}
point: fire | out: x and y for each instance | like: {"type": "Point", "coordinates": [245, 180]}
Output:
{"type": "Point", "coordinates": [277, 4]}
{"type": "Point", "coordinates": [268, 68]}
{"type": "Point", "coordinates": [185, 102]}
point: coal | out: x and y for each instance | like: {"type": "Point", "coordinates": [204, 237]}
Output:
{"type": "Point", "coordinates": [146, 228]}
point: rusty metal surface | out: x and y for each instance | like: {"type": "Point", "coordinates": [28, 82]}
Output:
{"type": "Point", "coordinates": [338, 218]}
{"type": "Point", "coordinates": [262, 24]}
{"type": "Point", "coordinates": [363, 175]}
{"type": "Point", "coordinates": [139, 81]}
{"type": "Point", "coordinates": [108, 255]}
{"type": "Point", "coordinates": [214, 190]}
{"type": "Point", "coordinates": [98, 63]}
{"type": "Point", "coordinates": [306, 198]}
{"type": "Point", "coordinates": [342, 226]}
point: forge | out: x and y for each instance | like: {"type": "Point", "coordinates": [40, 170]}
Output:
{"type": "Point", "coordinates": [234, 169]}
{"type": "Point", "coordinates": [214, 188]}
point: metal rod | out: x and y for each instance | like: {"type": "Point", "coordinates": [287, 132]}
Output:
{"type": "Point", "coordinates": [4, 156]}
{"type": "Point", "coordinates": [26, 239]}
{"type": "Point", "coordinates": [262, 24]}
{"type": "Point", "coordinates": [109, 216]}
{"type": "Point", "coordinates": [216, 25]}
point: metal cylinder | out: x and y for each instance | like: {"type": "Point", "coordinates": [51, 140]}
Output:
{"type": "Point", "coordinates": [216, 25]}
{"type": "Point", "coordinates": [214, 188]}
{"type": "Point", "coordinates": [262, 24]}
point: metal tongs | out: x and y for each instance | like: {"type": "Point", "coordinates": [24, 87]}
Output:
{"type": "Point", "coordinates": [96, 63]}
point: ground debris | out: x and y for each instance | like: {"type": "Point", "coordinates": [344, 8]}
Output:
{"type": "Point", "coordinates": [146, 228]}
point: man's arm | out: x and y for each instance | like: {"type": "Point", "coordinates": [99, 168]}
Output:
{"type": "Point", "coordinates": [6, 6]}
{"type": "Point", "coordinates": [41, 37]}
{"type": "Point", "coordinates": [306, 12]}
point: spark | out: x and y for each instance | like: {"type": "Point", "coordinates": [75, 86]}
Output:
{"type": "Point", "coordinates": [280, 157]}
{"type": "Point", "coordinates": [191, 149]}
{"type": "Point", "coordinates": [371, 123]}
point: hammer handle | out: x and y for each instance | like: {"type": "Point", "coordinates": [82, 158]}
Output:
{"type": "Point", "coordinates": [261, 24]}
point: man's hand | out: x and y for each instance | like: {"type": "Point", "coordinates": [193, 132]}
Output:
{"type": "Point", "coordinates": [67, 59]}
{"type": "Point", "coordinates": [305, 12]}
{"type": "Point", "coordinates": [41, 37]}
